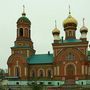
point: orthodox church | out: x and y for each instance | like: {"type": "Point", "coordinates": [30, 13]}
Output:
{"type": "Point", "coordinates": [69, 62]}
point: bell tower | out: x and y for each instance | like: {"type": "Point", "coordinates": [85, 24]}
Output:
{"type": "Point", "coordinates": [23, 27]}
{"type": "Point", "coordinates": [23, 44]}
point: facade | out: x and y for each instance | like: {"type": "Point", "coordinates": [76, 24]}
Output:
{"type": "Point", "coordinates": [69, 63]}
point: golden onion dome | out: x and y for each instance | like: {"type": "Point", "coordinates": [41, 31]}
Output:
{"type": "Point", "coordinates": [56, 30]}
{"type": "Point", "coordinates": [70, 20]}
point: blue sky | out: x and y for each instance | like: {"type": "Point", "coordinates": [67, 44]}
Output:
{"type": "Point", "coordinates": [42, 14]}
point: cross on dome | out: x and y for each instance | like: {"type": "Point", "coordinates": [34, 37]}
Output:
{"type": "Point", "coordinates": [69, 10]}
{"type": "Point", "coordinates": [83, 21]}
{"type": "Point", "coordinates": [23, 14]}
{"type": "Point", "coordinates": [55, 24]}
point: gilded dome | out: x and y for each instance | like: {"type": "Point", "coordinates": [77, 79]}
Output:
{"type": "Point", "coordinates": [83, 29]}
{"type": "Point", "coordinates": [70, 20]}
{"type": "Point", "coordinates": [56, 30]}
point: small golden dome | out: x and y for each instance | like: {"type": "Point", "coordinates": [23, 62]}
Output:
{"type": "Point", "coordinates": [83, 29]}
{"type": "Point", "coordinates": [56, 30]}
{"type": "Point", "coordinates": [70, 20]}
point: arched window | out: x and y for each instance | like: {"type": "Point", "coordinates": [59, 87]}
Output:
{"type": "Point", "coordinates": [41, 73]}
{"type": "Point", "coordinates": [21, 31]}
{"type": "Point", "coordinates": [70, 33]}
{"type": "Point", "coordinates": [70, 56]}
{"type": "Point", "coordinates": [17, 71]}
{"type": "Point", "coordinates": [49, 73]}
{"type": "Point", "coordinates": [33, 73]}
{"type": "Point", "coordinates": [70, 70]}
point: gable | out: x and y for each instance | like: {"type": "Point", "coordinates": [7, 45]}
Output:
{"type": "Point", "coordinates": [16, 57]}
{"type": "Point", "coordinates": [63, 55]}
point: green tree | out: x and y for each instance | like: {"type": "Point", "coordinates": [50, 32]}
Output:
{"type": "Point", "coordinates": [36, 86]}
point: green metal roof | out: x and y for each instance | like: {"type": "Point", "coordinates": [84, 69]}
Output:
{"type": "Point", "coordinates": [40, 59]}
{"type": "Point", "coordinates": [71, 40]}
{"type": "Point", "coordinates": [25, 19]}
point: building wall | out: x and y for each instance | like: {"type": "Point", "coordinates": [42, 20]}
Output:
{"type": "Point", "coordinates": [17, 61]}
{"type": "Point", "coordinates": [70, 58]}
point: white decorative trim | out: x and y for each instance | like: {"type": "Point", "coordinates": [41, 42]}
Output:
{"type": "Point", "coordinates": [27, 53]}
{"type": "Point", "coordinates": [58, 70]}
{"type": "Point", "coordinates": [25, 71]}
{"type": "Point", "coordinates": [19, 70]}
{"type": "Point", "coordinates": [23, 32]}
{"type": "Point", "coordinates": [85, 69]}
{"type": "Point", "coordinates": [82, 69]}
{"type": "Point", "coordinates": [70, 64]}
{"type": "Point", "coordinates": [54, 70]}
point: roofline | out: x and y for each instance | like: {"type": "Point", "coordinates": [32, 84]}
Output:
{"type": "Point", "coordinates": [41, 63]}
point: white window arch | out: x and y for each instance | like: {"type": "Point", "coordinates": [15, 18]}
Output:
{"type": "Point", "coordinates": [49, 73]}
{"type": "Point", "coordinates": [17, 71]}
{"type": "Point", "coordinates": [41, 73]}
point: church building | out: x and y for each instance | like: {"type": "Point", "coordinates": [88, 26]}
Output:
{"type": "Point", "coordinates": [69, 62]}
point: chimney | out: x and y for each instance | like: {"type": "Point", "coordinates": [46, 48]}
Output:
{"type": "Point", "coordinates": [48, 52]}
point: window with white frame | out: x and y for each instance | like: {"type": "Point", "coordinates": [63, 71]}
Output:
{"type": "Point", "coordinates": [41, 73]}
{"type": "Point", "coordinates": [70, 56]}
